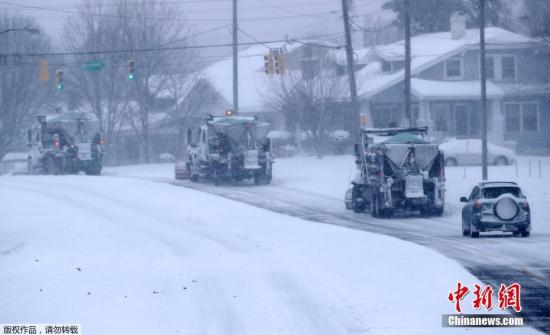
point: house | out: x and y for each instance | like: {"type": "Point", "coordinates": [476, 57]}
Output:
{"type": "Point", "coordinates": [445, 86]}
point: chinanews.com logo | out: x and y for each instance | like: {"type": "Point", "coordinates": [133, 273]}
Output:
{"type": "Point", "coordinates": [509, 299]}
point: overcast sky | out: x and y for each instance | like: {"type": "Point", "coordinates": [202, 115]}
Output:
{"type": "Point", "coordinates": [261, 19]}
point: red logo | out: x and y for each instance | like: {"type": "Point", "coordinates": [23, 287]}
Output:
{"type": "Point", "coordinates": [483, 297]}
{"type": "Point", "coordinates": [508, 296]}
{"type": "Point", "coordinates": [458, 295]}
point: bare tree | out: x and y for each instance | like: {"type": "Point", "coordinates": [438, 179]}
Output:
{"type": "Point", "coordinates": [102, 91]}
{"type": "Point", "coordinates": [153, 25]}
{"type": "Point", "coordinates": [306, 95]}
{"type": "Point", "coordinates": [139, 31]}
{"type": "Point", "coordinates": [21, 92]}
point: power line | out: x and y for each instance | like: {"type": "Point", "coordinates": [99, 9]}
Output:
{"type": "Point", "coordinates": [193, 35]}
{"type": "Point", "coordinates": [284, 9]}
{"type": "Point", "coordinates": [115, 51]}
{"type": "Point", "coordinates": [374, 30]}
{"type": "Point", "coordinates": [72, 12]}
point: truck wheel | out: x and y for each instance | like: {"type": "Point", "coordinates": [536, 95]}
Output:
{"type": "Point", "coordinates": [216, 176]}
{"type": "Point", "coordinates": [92, 171]}
{"type": "Point", "coordinates": [51, 166]}
{"type": "Point", "coordinates": [386, 213]}
{"type": "Point", "coordinates": [473, 234]}
{"type": "Point", "coordinates": [374, 205]}
{"type": "Point", "coordinates": [357, 206]}
{"type": "Point", "coordinates": [439, 211]}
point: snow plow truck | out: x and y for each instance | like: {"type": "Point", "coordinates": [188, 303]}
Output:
{"type": "Point", "coordinates": [401, 171]}
{"type": "Point", "coordinates": [229, 149]}
{"type": "Point", "coordinates": [65, 143]}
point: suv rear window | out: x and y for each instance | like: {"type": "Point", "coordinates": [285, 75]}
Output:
{"type": "Point", "coordinates": [495, 192]}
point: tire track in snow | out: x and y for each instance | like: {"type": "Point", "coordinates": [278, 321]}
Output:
{"type": "Point", "coordinates": [106, 215]}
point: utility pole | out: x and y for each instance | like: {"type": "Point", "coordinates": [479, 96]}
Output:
{"type": "Point", "coordinates": [235, 60]}
{"type": "Point", "coordinates": [352, 85]}
{"type": "Point", "coordinates": [483, 90]}
{"type": "Point", "coordinates": [407, 19]}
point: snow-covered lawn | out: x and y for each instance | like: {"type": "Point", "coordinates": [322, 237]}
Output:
{"type": "Point", "coordinates": [126, 256]}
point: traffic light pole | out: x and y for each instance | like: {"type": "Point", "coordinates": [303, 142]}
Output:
{"type": "Point", "coordinates": [235, 60]}
{"type": "Point", "coordinates": [484, 172]}
{"type": "Point", "coordinates": [352, 84]}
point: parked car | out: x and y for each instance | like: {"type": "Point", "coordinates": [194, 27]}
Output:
{"type": "Point", "coordinates": [468, 152]}
{"type": "Point", "coordinates": [496, 206]}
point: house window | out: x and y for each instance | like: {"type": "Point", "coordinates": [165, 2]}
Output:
{"type": "Point", "coordinates": [490, 67]}
{"type": "Point", "coordinates": [512, 117]}
{"type": "Point", "coordinates": [453, 68]}
{"type": "Point", "coordinates": [440, 114]}
{"type": "Point", "coordinates": [386, 116]}
{"type": "Point", "coordinates": [521, 117]}
{"type": "Point", "coordinates": [508, 68]}
{"type": "Point", "coordinates": [386, 66]}
{"type": "Point", "coordinates": [530, 117]}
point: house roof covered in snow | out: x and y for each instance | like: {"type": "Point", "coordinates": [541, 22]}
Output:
{"type": "Point", "coordinates": [427, 50]}
{"type": "Point", "coordinates": [433, 90]}
{"type": "Point", "coordinates": [252, 78]}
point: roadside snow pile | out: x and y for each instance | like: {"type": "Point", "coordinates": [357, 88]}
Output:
{"type": "Point", "coordinates": [123, 256]}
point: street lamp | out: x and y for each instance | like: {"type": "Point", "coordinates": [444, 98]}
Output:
{"type": "Point", "coordinates": [31, 31]}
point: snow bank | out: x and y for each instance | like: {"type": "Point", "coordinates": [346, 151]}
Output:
{"type": "Point", "coordinates": [123, 256]}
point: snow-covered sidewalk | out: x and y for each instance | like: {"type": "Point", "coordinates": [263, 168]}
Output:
{"type": "Point", "coordinates": [123, 256]}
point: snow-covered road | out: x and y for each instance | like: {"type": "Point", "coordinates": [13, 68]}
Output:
{"type": "Point", "coordinates": [126, 256]}
{"type": "Point", "coordinates": [313, 189]}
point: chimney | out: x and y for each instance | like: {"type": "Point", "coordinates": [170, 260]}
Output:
{"type": "Point", "coordinates": [458, 25]}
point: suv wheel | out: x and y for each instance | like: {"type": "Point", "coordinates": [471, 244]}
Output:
{"type": "Point", "coordinates": [464, 231]}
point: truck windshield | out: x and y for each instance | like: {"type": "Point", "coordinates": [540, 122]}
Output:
{"type": "Point", "coordinates": [495, 192]}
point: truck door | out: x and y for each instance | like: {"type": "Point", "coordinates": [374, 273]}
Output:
{"type": "Point", "coordinates": [203, 143]}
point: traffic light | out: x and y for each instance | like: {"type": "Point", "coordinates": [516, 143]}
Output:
{"type": "Point", "coordinates": [281, 62]}
{"type": "Point", "coordinates": [131, 70]}
{"type": "Point", "coordinates": [268, 60]}
{"type": "Point", "coordinates": [279, 57]}
{"type": "Point", "coordinates": [44, 75]}
{"type": "Point", "coordinates": [363, 120]}
{"type": "Point", "coordinates": [59, 80]}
